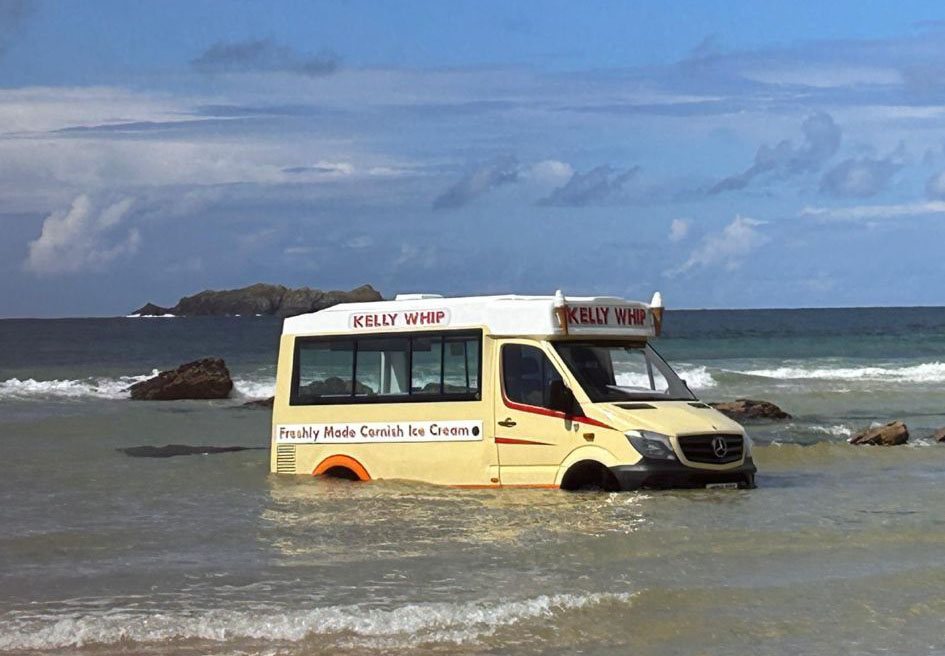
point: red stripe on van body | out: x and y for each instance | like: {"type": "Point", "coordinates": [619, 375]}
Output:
{"type": "Point", "coordinates": [512, 440]}
{"type": "Point", "coordinates": [536, 410]}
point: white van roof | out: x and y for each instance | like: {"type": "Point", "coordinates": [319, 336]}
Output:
{"type": "Point", "coordinates": [502, 315]}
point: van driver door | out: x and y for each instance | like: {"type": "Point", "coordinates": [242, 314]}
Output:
{"type": "Point", "coordinates": [531, 438]}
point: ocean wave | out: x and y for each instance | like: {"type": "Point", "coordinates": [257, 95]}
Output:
{"type": "Point", "coordinates": [244, 388]}
{"type": "Point", "coordinates": [111, 388]}
{"type": "Point", "coordinates": [837, 430]}
{"type": "Point", "coordinates": [927, 372]}
{"type": "Point", "coordinates": [98, 388]}
{"type": "Point", "coordinates": [409, 625]}
{"type": "Point", "coordinates": [696, 377]}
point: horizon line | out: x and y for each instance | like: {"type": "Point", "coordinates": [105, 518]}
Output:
{"type": "Point", "coordinates": [705, 309]}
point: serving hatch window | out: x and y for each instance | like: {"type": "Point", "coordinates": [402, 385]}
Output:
{"type": "Point", "coordinates": [444, 366]}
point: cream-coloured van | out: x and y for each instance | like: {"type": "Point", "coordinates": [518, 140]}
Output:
{"type": "Point", "coordinates": [490, 391]}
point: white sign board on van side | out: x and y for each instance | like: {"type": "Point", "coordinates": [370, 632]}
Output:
{"type": "Point", "coordinates": [455, 430]}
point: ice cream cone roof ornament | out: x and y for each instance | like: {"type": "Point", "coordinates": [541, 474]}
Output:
{"type": "Point", "coordinates": [561, 311]}
{"type": "Point", "coordinates": [656, 309]}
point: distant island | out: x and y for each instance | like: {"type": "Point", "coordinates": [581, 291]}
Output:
{"type": "Point", "coordinates": [274, 300]}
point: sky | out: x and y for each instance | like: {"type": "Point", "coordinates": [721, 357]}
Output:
{"type": "Point", "coordinates": [731, 155]}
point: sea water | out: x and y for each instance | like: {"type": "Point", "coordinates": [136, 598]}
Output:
{"type": "Point", "coordinates": [841, 549]}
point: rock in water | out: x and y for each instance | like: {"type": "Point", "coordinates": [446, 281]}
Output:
{"type": "Point", "coordinates": [741, 409]}
{"type": "Point", "coordinates": [939, 435]}
{"type": "Point", "coordinates": [261, 299]}
{"type": "Point", "coordinates": [895, 432]}
{"type": "Point", "coordinates": [249, 301]}
{"type": "Point", "coordinates": [203, 379]}
{"type": "Point", "coordinates": [151, 310]}
{"type": "Point", "coordinates": [260, 403]}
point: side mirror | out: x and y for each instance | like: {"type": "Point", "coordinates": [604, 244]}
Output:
{"type": "Point", "coordinates": [561, 398]}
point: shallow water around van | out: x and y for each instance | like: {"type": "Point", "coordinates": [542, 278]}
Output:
{"type": "Point", "coordinates": [841, 549]}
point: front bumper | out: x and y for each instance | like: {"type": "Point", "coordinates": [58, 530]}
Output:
{"type": "Point", "coordinates": [672, 473]}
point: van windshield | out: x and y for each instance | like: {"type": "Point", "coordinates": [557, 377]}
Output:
{"type": "Point", "coordinates": [620, 371]}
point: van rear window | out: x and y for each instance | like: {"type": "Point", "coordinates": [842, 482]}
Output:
{"type": "Point", "coordinates": [442, 366]}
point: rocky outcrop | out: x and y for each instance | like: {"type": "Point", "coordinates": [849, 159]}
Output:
{"type": "Point", "coordinates": [181, 450]}
{"type": "Point", "coordinates": [260, 403]}
{"type": "Point", "coordinates": [261, 299]}
{"type": "Point", "coordinates": [742, 409]}
{"type": "Point", "coordinates": [893, 433]}
{"type": "Point", "coordinates": [939, 435]}
{"type": "Point", "coordinates": [203, 379]}
{"type": "Point", "coordinates": [151, 310]}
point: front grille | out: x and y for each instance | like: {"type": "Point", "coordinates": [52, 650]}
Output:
{"type": "Point", "coordinates": [699, 448]}
{"type": "Point", "coordinates": [285, 458]}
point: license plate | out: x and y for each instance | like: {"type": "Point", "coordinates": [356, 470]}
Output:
{"type": "Point", "coordinates": [721, 486]}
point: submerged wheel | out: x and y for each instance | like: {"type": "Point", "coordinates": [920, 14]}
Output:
{"type": "Point", "coordinates": [344, 467]}
{"type": "Point", "coordinates": [589, 475]}
{"type": "Point", "coordinates": [340, 472]}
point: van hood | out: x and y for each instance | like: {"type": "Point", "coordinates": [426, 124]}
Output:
{"type": "Point", "coordinates": [666, 417]}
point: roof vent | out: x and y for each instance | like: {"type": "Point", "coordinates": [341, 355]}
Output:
{"type": "Point", "coordinates": [415, 297]}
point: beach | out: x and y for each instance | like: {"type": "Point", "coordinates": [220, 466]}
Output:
{"type": "Point", "coordinates": [838, 550]}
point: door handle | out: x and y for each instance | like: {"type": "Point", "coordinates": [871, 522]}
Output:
{"type": "Point", "coordinates": [508, 423]}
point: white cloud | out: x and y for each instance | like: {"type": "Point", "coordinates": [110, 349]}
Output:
{"type": "Point", "coordinates": [678, 229]}
{"type": "Point", "coordinates": [415, 256]}
{"type": "Point", "coordinates": [550, 172]}
{"type": "Point", "coordinates": [83, 238]}
{"type": "Point", "coordinates": [44, 109]}
{"type": "Point", "coordinates": [726, 248]}
{"type": "Point", "coordinates": [875, 212]}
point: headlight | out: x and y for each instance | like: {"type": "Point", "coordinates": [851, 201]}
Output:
{"type": "Point", "coordinates": [748, 444]}
{"type": "Point", "coordinates": [651, 445]}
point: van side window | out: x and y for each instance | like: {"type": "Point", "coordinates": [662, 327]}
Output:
{"type": "Point", "coordinates": [442, 366]}
{"type": "Point", "coordinates": [324, 370]}
{"type": "Point", "coordinates": [426, 365]}
{"type": "Point", "coordinates": [526, 372]}
{"type": "Point", "coordinates": [381, 366]}
{"type": "Point", "coordinates": [460, 365]}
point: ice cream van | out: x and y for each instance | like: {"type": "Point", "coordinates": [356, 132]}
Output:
{"type": "Point", "coordinates": [496, 391]}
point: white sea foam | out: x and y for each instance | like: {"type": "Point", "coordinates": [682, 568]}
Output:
{"type": "Point", "coordinates": [112, 388]}
{"type": "Point", "coordinates": [100, 388]}
{"type": "Point", "coordinates": [254, 389]}
{"type": "Point", "coordinates": [150, 316]}
{"type": "Point", "coordinates": [695, 377]}
{"type": "Point", "coordinates": [408, 625]}
{"type": "Point", "coordinates": [837, 430]}
{"type": "Point", "coordinates": [927, 372]}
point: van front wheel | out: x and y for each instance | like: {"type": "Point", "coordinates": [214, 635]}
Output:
{"type": "Point", "coordinates": [589, 475]}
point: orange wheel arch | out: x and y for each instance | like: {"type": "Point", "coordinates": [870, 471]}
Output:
{"type": "Point", "coordinates": [342, 461]}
